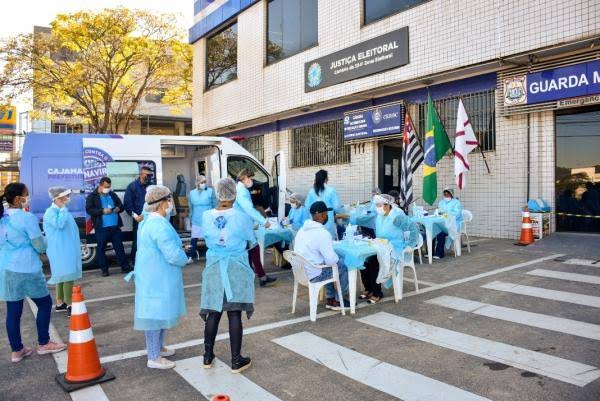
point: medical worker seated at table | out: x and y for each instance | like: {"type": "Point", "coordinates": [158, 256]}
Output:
{"type": "Point", "coordinates": [200, 200]}
{"type": "Point", "coordinates": [321, 191]}
{"type": "Point", "coordinates": [452, 207]}
{"type": "Point", "coordinates": [298, 213]}
{"type": "Point", "coordinates": [21, 276]}
{"type": "Point", "coordinates": [64, 247]}
{"type": "Point", "coordinates": [313, 242]}
{"type": "Point", "coordinates": [159, 296]}
{"type": "Point", "coordinates": [391, 224]}
{"type": "Point", "coordinates": [243, 203]}
{"type": "Point", "coordinates": [227, 279]}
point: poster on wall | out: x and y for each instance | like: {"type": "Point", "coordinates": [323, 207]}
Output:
{"type": "Point", "coordinates": [374, 122]}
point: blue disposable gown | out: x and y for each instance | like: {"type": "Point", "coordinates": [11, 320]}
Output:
{"type": "Point", "coordinates": [64, 250]}
{"type": "Point", "coordinates": [227, 273]}
{"type": "Point", "coordinates": [454, 208]}
{"type": "Point", "coordinates": [298, 216]}
{"type": "Point", "coordinates": [392, 227]}
{"type": "Point", "coordinates": [201, 200]}
{"type": "Point", "coordinates": [243, 202]}
{"type": "Point", "coordinates": [159, 296]}
{"type": "Point", "coordinates": [331, 199]}
{"type": "Point", "coordinates": [20, 265]}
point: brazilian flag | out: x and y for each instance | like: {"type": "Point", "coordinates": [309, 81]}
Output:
{"type": "Point", "coordinates": [436, 146]}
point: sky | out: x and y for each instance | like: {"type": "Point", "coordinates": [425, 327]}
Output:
{"type": "Point", "coordinates": [20, 16]}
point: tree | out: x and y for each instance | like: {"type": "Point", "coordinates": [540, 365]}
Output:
{"type": "Point", "coordinates": [221, 56]}
{"type": "Point", "coordinates": [95, 67]}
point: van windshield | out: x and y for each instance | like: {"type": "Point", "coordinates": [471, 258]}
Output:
{"type": "Point", "coordinates": [235, 164]}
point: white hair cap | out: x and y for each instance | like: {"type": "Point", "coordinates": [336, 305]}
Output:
{"type": "Point", "coordinates": [58, 192]}
{"type": "Point", "coordinates": [226, 189]}
{"type": "Point", "coordinates": [154, 195]}
{"type": "Point", "coordinates": [384, 198]}
{"type": "Point", "coordinates": [200, 179]}
{"type": "Point", "coordinates": [297, 198]}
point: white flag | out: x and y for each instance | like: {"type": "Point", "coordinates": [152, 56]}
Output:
{"type": "Point", "coordinates": [465, 141]}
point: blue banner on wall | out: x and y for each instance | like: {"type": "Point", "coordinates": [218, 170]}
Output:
{"type": "Point", "coordinates": [553, 84]}
{"type": "Point", "coordinates": [374, 122]}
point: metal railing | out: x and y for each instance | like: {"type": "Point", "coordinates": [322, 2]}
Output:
{"type": "Point", "coordinates": [318, 145]}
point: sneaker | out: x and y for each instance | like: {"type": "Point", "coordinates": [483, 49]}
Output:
{"type": "Point", "coordinates": [190, 260]}
{"type": "Point", "coordinates": [239, 364]}
{"type": "Point", "coordinates": [19, 356]}
{"type": "Point", "coordinates": [50, 348]}
{"type": "Point", "coordinates": [68, 311]}
{"type": "Point", "coordinates": [61, 308]}
{"type": "Point", "coordinates": [105, 273]}
{"type": "Point", "coordinates": [167, 352]}
{"type": "Point", "coordinates": [209, 359]}
{"type": "Point", "coordinates": [331, 303]}
{"type": "Point", "coordinates": [365, 295]}
{"type": "Point", "coordinates": [161, 363]}
{"type": "Point", "coordinates": [127, 269]}
{"type": "Point", "coordinates": [266, 280]}
{"type": "Point", "coordinates": [374, 299]}
{"type": "Point", "coordinates": [436, 257]}
{"type": "Point", "coordinates": [287, 266]}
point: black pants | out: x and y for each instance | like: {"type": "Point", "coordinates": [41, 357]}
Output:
{"type": "Point", "coordinates": [369, 276]}
{"type": "Point", "coordinates": [114, 236]}
{"type": "Point", "coordinates": [134, 243]}
{"type": "Point", "coordinates": [235, 332]}
{"type": "Point", "coordinates": [440, 242]}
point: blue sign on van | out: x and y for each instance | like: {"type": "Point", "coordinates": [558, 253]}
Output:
{"type": "Point", "coordinates": [374, 122]}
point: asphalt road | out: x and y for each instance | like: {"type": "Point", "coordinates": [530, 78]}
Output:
{"type": "Point", "coordinates": [500, 323]}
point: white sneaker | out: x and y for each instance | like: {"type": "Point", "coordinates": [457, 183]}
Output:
{"type": "Point", "coordinates": [190, 261]}
{"type": "Point", "coordinates": [161, 363]}
{"type": "Point", "coordinates": [167, 352]}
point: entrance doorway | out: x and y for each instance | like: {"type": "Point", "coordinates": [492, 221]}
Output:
{"type": "Point", "coordinates": [390, 157]}
{"type": "Point", "coordinates": [578, 170]}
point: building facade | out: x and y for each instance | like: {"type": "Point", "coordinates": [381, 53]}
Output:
{"type": "Point", "coordinates": [284, 74]}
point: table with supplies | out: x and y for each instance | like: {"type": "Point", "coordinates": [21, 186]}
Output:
{"type": "Point", "coordinates": [433, 226]}
{"type": "Point", "coordinates": [267, 237]}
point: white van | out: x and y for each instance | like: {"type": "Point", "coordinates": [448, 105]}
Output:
{"type": "Point", "coordinates": [78, 161]}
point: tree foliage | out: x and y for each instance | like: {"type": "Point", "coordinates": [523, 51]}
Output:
{"type": "Point", "coordinates": [96, 67]}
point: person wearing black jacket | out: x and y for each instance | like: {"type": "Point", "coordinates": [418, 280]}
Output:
{"type": "Point", "coordinates": [105, 207]}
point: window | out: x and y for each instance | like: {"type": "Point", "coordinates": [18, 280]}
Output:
{"type": "Point", "coordinates": [151, 126]}
{"type": "Point", "coordinates": [122, 173]}
{"type": "Point", "coordinates": [221, 57]}
{"type": "Point", "coordinates": [235, 164]}
{"type": "Point", "coordinates": [292, 28]}
{"type": "Point", "coordinates": [155, 97]}
{"type": "Point", "coordinates": [481, 108]}
{"type": "Point", "coordinates": [378, 9]}
{"type": "Point", "coordinates": [319, 144]}
{"type": "Point", "coordinates": [65, 128]}
{"type": "Point", "coordinates": [255, 145]}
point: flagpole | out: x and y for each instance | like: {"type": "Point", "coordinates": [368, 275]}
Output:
{"type": "Point", "coordinates": [479, 146]}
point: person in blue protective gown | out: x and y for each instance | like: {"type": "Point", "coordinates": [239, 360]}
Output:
{"type": "Point", "coordinates": [227, 279]}
{"type": "Point", "coordinates": [452, 207]}
{"type": "Point", "coordinates": [64, 247]}
{"type": "Point", "coordinates": [243, 203]}
{"type": "Point", "coordinates": [321, 191]}
{"type": "Point", "coordinates": [298, 213]}
{"type": "Point", "coordinates": [159, 294]}
{"type": "Point", "coordinates": [391, 224]}
{"type": "Point", "coordinates": [201, 199]}
{"type": "Point", "coordinates": [21, 276]}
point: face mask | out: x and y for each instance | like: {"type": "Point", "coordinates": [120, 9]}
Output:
{"type": "Point", "coordinates": [202, 186]}
{"type": "Point", "coordinates": [67, 201]}
{"type": "Point", "coordinates": [169, 210]}
{"type": "Point", "coordinates": [248, 183]}
{"type": "Point", "coordinates": [380, 210]}
{"type": "Point", "coordinates": [26, 203]}
{"type": "Point", "coordinates": [294, 206]}
{"type": "Point", "coordinates": [447, 198]}
{"type": "Point", "coordinates": [105, 190]}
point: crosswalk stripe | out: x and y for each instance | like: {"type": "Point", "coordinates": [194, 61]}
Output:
{"type": "Point", "coordinates": [390, 379]}
{"type": "Point", "coordinates": [558, 324]}
{"type": "Point", "coordinates": [220, 380]}
{"type": "Point", "coordinates": [532, 361]}
{"type": "Point", "coordinates": [581, 278]}
{"type": "Point", "coordinates": [562, 296]}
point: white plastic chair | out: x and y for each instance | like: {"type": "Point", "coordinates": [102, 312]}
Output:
{"type": "Point", "coordinates": [298, 263]}
{"type": "Point", "coordinates": [467, 218]}
{"type": "Point", "coordinates": [419, 247]}
{"type": "Point", "coordinates": [398, 265]}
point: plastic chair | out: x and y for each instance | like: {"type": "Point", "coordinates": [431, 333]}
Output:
{"type": "Point", "coordinates": [298, 263]}
{"type": "Point", "coordinates": [419, 247]}
{"type": "Point", "coordinates": [398, 266]}
{"type": "Point", "coordinates": [467, 218]}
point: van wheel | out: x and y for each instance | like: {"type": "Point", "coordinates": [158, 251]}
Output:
{"type": "Point", "coordinates": [88, 255]}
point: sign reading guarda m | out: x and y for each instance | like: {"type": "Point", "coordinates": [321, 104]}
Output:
{"type": "Point", "coordinates": [366, 58]}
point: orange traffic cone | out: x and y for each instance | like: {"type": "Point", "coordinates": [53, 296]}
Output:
{"type": "Point", "coordinates": [83, 363]}
{"type": "Point", "coordinates": [221, 397]}
{"type": "Point", "coordinates": [526, 230]}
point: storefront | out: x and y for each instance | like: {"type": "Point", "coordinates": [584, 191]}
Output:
{"type": "Point", "coordinates": [572, 92]}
